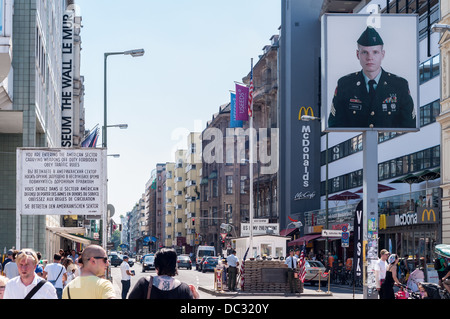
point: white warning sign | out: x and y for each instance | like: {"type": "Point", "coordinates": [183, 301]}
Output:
{"type": "Point", "coordinates": [61, 181]}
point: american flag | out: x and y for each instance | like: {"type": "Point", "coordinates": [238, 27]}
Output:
{"type": "Point", "coordinates": [301, 264]}
{"type": "Point", "coordinates": [91, 140]}
{"type": "Point", "coordinates": [250, 95]}
{"type": "Point", "coordinates": [242, 269]}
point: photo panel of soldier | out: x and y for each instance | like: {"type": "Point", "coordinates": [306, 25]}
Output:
{"type": "Point", "coordinates": [370, 72]}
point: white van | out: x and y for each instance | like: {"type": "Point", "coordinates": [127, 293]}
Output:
{"type": "Point", "coordinates": [204, 251]}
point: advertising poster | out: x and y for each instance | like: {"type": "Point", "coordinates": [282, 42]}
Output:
{"type": "Point", "coordinates": [370, 72]}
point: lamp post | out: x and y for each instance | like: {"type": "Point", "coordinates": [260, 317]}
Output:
{"type": "Point", "coordinates": [133, 53]}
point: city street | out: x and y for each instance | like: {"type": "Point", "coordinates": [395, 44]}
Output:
{"type": "Point", "coordinates": [205, 286]}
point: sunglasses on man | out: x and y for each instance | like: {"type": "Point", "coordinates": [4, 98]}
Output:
{"type": "Point", "coordinates": [105, 259]}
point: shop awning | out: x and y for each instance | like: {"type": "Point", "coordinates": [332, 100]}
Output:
{"type": "Point", "coordinates": [67, 232]}
{"type": "Point", "coordinates": [75, 238]}
{"type": "Point", "coordinates": [304, 239]}
{"type": "Point", "coordinates": [288, 231]}
{"type": "Point", "coordinates": [213, 175]}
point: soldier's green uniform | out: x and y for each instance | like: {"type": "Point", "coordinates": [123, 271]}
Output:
{"type": "Point", "coordinates": [391, 106]}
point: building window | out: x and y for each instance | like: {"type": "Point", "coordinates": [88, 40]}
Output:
{"type": "Point", "coordinates": [229, 184]}
{"type": "Point", "coordinates": [214, 216]}
{"type": "Point", "coordinates": [429, 112]}
{"type": "Point", "coordinates": [215, 188]}
{"type": "Point", "coordinates": [408, 164]}
{"type": "Point", "coordinates": [429, 69]}
{"type": "Point", "coordinates": [243, 186]}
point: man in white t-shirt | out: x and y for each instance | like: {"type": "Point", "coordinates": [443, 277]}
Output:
{"type": "Point", "coordinates": [126, 276]}
{"type": "Point", "coordinates": [28, 285]}
{"type": "Point", "coordinates": [380, 270]}
{"type": "Point", "coordinates": [55, 273]}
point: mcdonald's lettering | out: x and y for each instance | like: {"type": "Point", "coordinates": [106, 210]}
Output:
{"type": "Point", "coordinates": [428, 212]}
{"type": "Point", "coordinates": [305, 111]}
{"type": "Point", "coordinates": [306, 130]}
{"type": "Point", "coordinates": [405, 219]}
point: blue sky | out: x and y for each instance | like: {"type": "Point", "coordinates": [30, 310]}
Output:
{"type": "Point", "coordinates": [195, 50]}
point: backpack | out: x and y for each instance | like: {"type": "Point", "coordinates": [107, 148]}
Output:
{"type": "Point", "coordinates": [437, 263]}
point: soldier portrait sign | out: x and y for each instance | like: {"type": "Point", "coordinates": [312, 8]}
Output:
{"type": "Point", "coordinates": [370, 72]}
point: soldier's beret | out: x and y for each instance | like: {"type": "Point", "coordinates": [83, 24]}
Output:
{"type": "Point", "coordinates": [370, 37]}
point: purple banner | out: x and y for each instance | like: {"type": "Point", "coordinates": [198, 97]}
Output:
{"type": "Point", "coordinates": [241, 103]}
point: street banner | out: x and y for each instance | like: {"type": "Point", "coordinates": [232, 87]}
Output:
{"type": "Point", "coordinates": [61, 181]}
{"type": "Point", "coordinates": [358, 242]}
{"type": "Point", "coordinates": [233, 122]}
{"type": "Point", "coordinates": [241, 102]}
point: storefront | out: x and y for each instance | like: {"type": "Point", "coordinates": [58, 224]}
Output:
{"type": "Point", "coordinates": [413, 233]}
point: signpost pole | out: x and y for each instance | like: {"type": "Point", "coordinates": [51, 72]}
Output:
{"type": "Point", "coordinates": [370, 212]}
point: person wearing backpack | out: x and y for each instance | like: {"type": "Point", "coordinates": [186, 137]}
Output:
{"type": "Point", "coordinates": [55, 273]}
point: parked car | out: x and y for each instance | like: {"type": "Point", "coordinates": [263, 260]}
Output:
{"type": "Point", "coordinates": [312, 271]}
{"type": "Point", "coordinates": [184, 261]}
{"type": "Point", "coordinates": [209, 263]}
{"type": "Point", "coordinates": [148, 263]}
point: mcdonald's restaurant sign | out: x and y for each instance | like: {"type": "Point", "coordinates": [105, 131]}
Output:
{"type": "Point", "coordinates": [424, 215]}
{"type": "Point", "coordinates": [305, 111]}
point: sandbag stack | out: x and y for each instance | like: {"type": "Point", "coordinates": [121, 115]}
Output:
{"type": "Point", "coordinates": [254, 281]}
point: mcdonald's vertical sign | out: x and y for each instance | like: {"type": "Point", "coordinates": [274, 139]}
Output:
{"type": "Point", "coordinates": [299, 90]}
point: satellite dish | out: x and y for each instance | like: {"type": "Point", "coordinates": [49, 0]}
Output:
{"type": "Point", "coordinates": [111, 210]}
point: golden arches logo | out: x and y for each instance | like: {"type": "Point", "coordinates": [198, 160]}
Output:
{"type": "Point", "coordinates": [428, 212]}
{"type": "Point", "coordinates": [305, 111]}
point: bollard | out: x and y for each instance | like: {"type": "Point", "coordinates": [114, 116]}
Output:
{"type": "Point", "coordinates": [329, 283]}
{"type": "Point", "coordinates": [320, 279]}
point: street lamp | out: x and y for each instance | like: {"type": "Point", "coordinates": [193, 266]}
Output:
{"type": "Point", "coordinates": [114, 155]}
{"type": "Point", "coordinates": [121, 126]}
{"type": "Point", "coordinates": [133, 53]}
{"type": "Point", "coordinates": [440, 27]}
{"type": "Point", "coordinates": [297, 224]}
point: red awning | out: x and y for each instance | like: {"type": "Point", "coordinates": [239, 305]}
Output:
{"type": "Point", "coordinates": [288, 231]}
{"type": "Point", "coordinates": [304, 239]}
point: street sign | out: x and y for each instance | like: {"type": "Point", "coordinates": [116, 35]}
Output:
{"type": "Point", "coordinates": [331, 233]}
{"type": "Point", "coordinates": [260, 229]}
{"type": "Point", "coordinates": [345, 239]}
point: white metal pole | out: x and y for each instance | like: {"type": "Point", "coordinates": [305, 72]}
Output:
{"type": "Point", "coordinates": [370, 212]}
{"type": "Point", "coordinates": [251, 161]}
